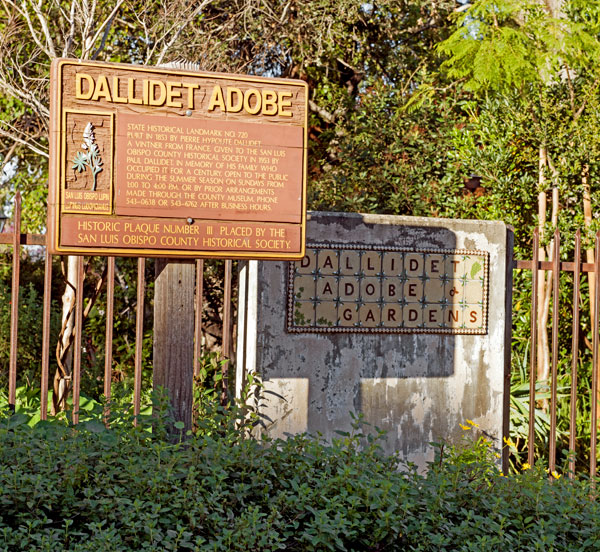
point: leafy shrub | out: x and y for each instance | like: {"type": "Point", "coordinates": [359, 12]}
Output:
{"type": "Point", "coordinates": [90, 488]}
{"type": "Point", "coordinates": [29, 350]}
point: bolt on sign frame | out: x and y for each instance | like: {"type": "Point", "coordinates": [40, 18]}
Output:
{"type": "Point", "coordinates": [159, 162]}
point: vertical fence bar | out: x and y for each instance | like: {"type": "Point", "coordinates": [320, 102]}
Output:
{"type": "Point", "coordinates": [14, 306]}
{"type": "Point", "coordinates": [46, 334]}
{"type": "Point", "coordinates": [227, 310]}
{"type": "Point", "coordinates": [226, 328]}
{"type": "Point", "coordinates": [533, 351]}
{"type": "Point", "coordinates": [198, 315]}
{"type": "Point", "coordinates": [554, 386]}
{"type": "Point", "coordinates": [139, 337]}
{"type": "Point", "coordinates": [110, 304]}
{"type": "Point", "coordinates": [77, 339]}
{"type": "Point", "coordinates": [594, 426]}
{"type": "Point", "coordinates": [575, 355]}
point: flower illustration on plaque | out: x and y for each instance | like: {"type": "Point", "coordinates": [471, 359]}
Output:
{"type": "Point", "coordinates": [90, 158]}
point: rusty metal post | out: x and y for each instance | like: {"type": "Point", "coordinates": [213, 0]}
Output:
{"type": "Point", "coordinates": [508, 302]}
{"type": "Point", "coordinates": [554, 387]}
{"type": "Point", "coordinates": [594, 422]}
{"type": "Point", "coordinates": [533, 359]}
{"type": "Point", "coordinates": [108, 342]}
{"type": "Point", "coordinates": [46, 335]}
{"type": "Point", "coordinates": [574, 354]}
{"type": "Point", "coordinates": [139, 337]}
{"type": "Point", "coordinates": [198, 316]}
{"type": "Point", "coordinates": [14, 306]}
{"type": "Point", "coordinates": [226, 351]}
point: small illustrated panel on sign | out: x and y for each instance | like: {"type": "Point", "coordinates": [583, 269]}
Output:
{"type": "Point", "coordinates": [87, 163]}
{"type": "Point", "coordinates": [337, 289]}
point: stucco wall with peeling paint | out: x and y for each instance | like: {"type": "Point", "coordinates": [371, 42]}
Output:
{"type": "Point", "coordinates": [416, 387]}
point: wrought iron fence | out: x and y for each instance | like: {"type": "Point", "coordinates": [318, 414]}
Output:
{"type": "Point", "coordinates": [539, 270]}
{"type": "Point", "coordinates": [17, 240]}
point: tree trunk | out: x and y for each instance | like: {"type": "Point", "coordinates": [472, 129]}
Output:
{"type": "Point", "coordinates": [589, 253]}
{"type": "Point", "coordinates": [590, 258]}
{"type": "Point", "coordinates": [543, 354]}
{"type": "Point", "coordinates": [62, 377]}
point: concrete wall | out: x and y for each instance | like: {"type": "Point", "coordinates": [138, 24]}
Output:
{"type": "Point", "coordinates": [417, 386]}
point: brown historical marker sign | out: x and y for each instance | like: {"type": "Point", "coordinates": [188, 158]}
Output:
{"type": "Point", "coordinates": [169, 162]}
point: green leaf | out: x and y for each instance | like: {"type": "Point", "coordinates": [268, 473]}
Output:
{"type": "Point", "coordinates": [80, 162]}
{"type": "Point", "coordinates": [475, 269]}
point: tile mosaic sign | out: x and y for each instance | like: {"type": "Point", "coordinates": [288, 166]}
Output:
{"type": "Point", "coordinates": [357, 288]}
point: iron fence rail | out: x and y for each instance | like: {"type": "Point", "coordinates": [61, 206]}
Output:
{"type": "Point", "coordinates": [17, 240]}
{"type": "Point", "coordinates": [577, 267]}
{"type": "Point", "coordinates": [539, 269]}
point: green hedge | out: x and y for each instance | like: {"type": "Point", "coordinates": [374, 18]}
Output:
{"type": "Point", "coordinates": [94, 489]}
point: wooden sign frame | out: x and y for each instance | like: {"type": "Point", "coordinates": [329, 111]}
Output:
{"type": "Point", "coordinates": [161, 162]}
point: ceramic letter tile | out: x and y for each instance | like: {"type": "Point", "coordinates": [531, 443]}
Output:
{"type": "Point", "coordinates": [349, 263]}
{"type": "Point", "coordinates": [349, 288]}
{"type": "Point", "coordinates": [328, 262]}
{"type": "Point", "coordinates": [434, 291]}
{"type": "Point", "coordinates": [391, 316]}
{"type": "Point", "coordinates": [413, 290]}
{"type": "Point", "coordinates": [412, 315]}
{"type": "Point", "coordinates": [473, 317]}
{"type": "Point", "coordinates": [435, 265]}
{"type": "Point", "coordinates": [453, 316]}
{"type": "Point", "coordinates": [370, 290]}
{"type": "Point", "coordinates": [347, 314]}
{"type": "Point", "coordinates": [392, 290]}
{"type": "Point", "coordinates": [454, 292]}
{"type": "Point", "coordinates": [326, 314]}
{"type": "Point", "coordinates": [304, 287]}
{"type": "Point", "coordinates": [327, 288]}
{"type": "Point", "coordinates": [304, 313]}
{"type": "Point", "coordinates": [369, 315]}
{"type": "Point", "coordinates": [370, 263]}
{"type": "Point", "coordinates": [433, 316]}
{"type": "Point", "coordinates": [392, 264]}
{"type": "Point", "coordinates": [308, 264]}
{"type": "Point", "coordinates": [414, 264]}
{"type": "Point", "coordinates": [474, 267]}
{"type": "Point", "coordinates": [473, 291]}
{"type": "Point", "coordinates": [455, 267]}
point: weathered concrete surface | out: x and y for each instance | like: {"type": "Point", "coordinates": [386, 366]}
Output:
{"type": "Point", "coordinates": [417, 387]}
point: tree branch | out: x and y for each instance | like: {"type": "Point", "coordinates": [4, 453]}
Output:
{"type": "Point", "coordinates": [34, 34]}
{"type": "Point", "coordinates": [44, 23]}
{"type": "Point", "coordinates": [176, 35]}
{"type": "Point", "coordinates": [106, 23]}
{"type": "Point", "coordinates": [70, 37]}
{"type": "Point", "coordinates": [33, 147]}
{"type": "Point", "coordinates": [323, 113]}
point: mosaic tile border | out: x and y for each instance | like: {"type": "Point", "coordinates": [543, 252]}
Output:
{"type": "Point", "coordinates": [313, 248]}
